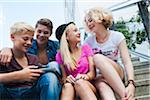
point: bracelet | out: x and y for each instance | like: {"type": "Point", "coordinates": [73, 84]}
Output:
{"type": "Point", "coordinates": [131, 82]}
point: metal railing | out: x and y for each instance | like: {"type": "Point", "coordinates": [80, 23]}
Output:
{"type": "Point", "coordinates": [146, 57]}
{"type": "Point", "coordinates": [124, 5]}
{"type": "Point", "coordinates": [143, 9]}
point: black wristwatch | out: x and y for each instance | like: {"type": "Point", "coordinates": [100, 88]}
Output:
{"type": "Point", "coordinates": [131, 82]}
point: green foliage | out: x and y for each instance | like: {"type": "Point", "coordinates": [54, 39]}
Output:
{"type": "Point", "coordinates": [130, 42]}
{"type": "Point", "coordinates": [121, 21]}
{"type": "Point", "coordinates": [136, 18]}
{"type": "Point", "coordinates": [140, 34]}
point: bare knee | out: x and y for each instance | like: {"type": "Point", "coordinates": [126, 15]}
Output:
{"type": "Point", "coordinates": [98, 57]}
{"type": "Point", "coordinates": [99, 60]}
{"type": "Point", "coordinates": [67, 92]}
{"type": "Point", "coordinates": [67, 86]}
{"type": "Point", "coordinates": [67, 89]}
{"type": "Point", "coordinates": [80, 83]}
{"type": "Point", "coordinates": [84, 91]}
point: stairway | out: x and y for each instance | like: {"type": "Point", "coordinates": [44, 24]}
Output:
{"type": "Point", "coordinates": [142, 79]}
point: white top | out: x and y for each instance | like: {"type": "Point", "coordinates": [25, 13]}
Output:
{"type": "Point", "coordinates": [109, 48]}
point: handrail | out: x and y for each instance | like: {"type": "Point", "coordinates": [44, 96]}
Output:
{"type": "Point", "coordinates": [124, 4]}
{"type": "Point", "coordinates": [146, 57]}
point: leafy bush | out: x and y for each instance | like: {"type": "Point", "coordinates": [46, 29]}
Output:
{"type": "Point", "coordinates": [139, 34]}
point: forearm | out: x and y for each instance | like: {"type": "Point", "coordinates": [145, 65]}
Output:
{"type": "Point", "coordinates": [126, 60]}
{"type": "Point", "coordinates": [63, 71]}
{"type": "Point", "coordinates": [10, 77]}
{"type": "Point", "coordinates": [92, 72]}
{"type": "Point", "coordinates": [91, 75]}
{"type": "Point", "coordinates": [129, 70]}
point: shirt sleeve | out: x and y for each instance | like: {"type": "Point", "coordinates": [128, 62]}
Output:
{"type": "Point", "coordinates": [119, 37]}
{"type": "Point", "coordinates": [87, 49]}
{"type": "Point", "coordinates": [59, 58]}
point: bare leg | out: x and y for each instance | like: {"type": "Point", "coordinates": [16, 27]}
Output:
{"type": "Point", "coordinates": [84, 90]}
{"type": "Point", "coordinates": [110, 74]}
{"type": "Point", "coordinates": [67, 92]}
{"type": "Point", "coordinates": [104, 89]}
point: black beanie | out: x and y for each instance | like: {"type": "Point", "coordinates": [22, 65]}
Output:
{"type": "Point", "coordinates": [60, 30]}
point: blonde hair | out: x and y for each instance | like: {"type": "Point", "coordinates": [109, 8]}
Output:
{"type": "Point", "coordinates": [21, 27]}
{"type": "Point", "coordinates": [65, 50]}
{"type": "Point", "coordinates": [102, 15]}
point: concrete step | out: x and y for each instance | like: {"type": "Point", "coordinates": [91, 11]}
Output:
{"type": "Point", "coordinates": [135, 59]}
{"type": "Point", "coordinates": [142, 87]}
{"type": "Point", "coordinates": [144, 97]}
{"type": "Point", "coordinates": [140, 65]}
{"type": "Point", "coordinates": [142, 79]}
{"type": "Point", "coordinates": [143, 73]}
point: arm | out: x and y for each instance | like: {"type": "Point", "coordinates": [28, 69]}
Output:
{"type": "Point", "coordinates": [68, 79]}
{"type": "Point", "coordinates": [26, 74]}
{"type": "Point", "coordinates": [9, 77]}
{"type": "Point", "coordinates": [126, 60]}
{"type": "Point", "coordinates": [130, 89]}
{"type": "Point", "coordinates": [64, 75]}
{"type": "Point", "coordinates": [91, 74]}
{"type": "Point", "coordinates": [5, 55]}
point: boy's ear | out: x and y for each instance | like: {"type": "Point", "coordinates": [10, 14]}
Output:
{"type": "Point", "coordinates": [12, 37]}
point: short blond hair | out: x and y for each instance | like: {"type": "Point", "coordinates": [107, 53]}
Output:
{"type": "Point", "coordinates": [99, 14]}
{"type": "Point", "coordinates": [21, 27]}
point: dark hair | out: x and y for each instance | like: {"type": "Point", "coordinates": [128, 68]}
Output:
{"type": "Point", "coordinates": [46, 22]}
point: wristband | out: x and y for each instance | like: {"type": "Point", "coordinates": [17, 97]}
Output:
{"type": "Point", "coordinates": [131, 82]}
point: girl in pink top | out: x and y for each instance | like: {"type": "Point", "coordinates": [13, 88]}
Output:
{"type": "Point", "coordinates": [82, 62]}
{"type": "Point", "coordinates": [76, 64]}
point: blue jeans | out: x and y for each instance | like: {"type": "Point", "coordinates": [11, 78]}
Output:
{"type": "Point", "coordinates": [47, 87]}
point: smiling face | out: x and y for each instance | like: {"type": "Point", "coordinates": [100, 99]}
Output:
{"type": "Point", "coordinates": [92, 25]}
{"type": "Point", "coordinates": [42, 34]}
{"type": "Point", "coordinates": [98, 18]}
{"type": "Point", "coordinates": [89, 23]}
{"type": "Point", "coordinates": [73, 34]}
{"type": "Point", "coordinates": [22, 41]}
